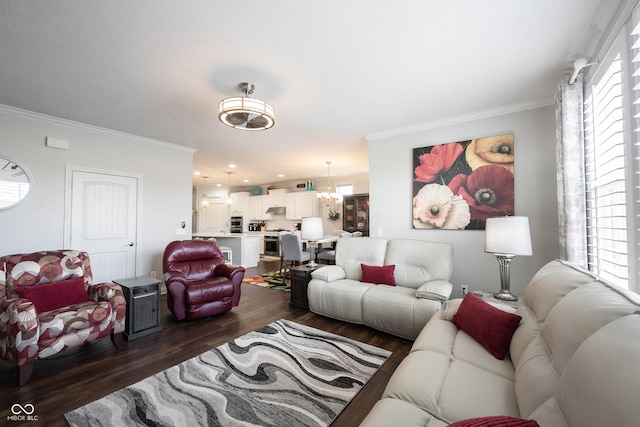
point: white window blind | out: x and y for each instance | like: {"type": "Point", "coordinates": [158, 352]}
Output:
{"type": "Point", "coordinates": [634, 211]}
{"type": "Point", "coordinates": [612, 160]}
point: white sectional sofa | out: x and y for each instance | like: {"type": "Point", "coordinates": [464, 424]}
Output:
{"type": "Point", "coordinates": [574, 361]}
{"type": "Point", "coordinates": [421, 275]}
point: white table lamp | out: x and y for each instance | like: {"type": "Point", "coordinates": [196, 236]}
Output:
{"type": "Point", "coordinates": [311, 231]}
{"type": "Point", "coordinates": [506, 237]}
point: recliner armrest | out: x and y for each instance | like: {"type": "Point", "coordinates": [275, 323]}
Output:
{"type": "Point", "coordinates": [329, 273]}
{"type": "Point", "coordinates": [228, 270]}
{"type": "Point", "coordinates": [439, 290]}
{"type": "Point", "coordinates": [173, 276]}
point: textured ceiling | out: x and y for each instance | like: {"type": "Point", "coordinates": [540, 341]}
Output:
{"type": "Point", "coordinates": [335, 71]}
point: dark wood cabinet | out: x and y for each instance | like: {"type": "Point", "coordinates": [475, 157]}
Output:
{"type": "Point", "coordinates": [300, 277]}
{"type": "Point", "coordinates": [143, 306]}
{"type": "Point", "coordinates": [356, 213]}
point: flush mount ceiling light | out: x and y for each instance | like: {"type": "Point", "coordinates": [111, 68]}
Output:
{"type": "Point", "coordinates": [242, 112]}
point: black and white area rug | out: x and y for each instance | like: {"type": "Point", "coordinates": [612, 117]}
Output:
{"type": "Point", "coordinates": [284, 374]}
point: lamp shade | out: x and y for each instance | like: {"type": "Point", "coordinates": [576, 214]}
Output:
{"type": "Point", "coordinates": [509, 235]}
{"type": "Point", "coordinates": [311, 228]}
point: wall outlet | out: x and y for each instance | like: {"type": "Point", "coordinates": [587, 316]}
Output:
{"type": "Point", "coordinates": [152, 274]}
{"type": "Point", "coordinates": [464, 289]}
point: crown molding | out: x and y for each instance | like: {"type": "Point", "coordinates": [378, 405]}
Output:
{"type": "Point", "coordinates": [462, 118]}
{"type": "Point", "coordinates": [609, 20]}
{"type": "Point", "coordinates": [44, 118]}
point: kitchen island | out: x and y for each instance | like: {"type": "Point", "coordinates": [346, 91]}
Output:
{"type": "Point", "coordinates": [245, 247]}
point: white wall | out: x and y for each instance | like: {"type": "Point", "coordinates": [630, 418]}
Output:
{"type": "Point", "coordinates": [37, 224]}
{"type": "Point", "coordinates": [391, 172]}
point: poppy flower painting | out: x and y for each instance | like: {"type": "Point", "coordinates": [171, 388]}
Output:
{"type": "Point", "coordinates": [457, 186]}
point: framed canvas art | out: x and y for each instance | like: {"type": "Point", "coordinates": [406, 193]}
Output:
{"type": "Point", "coordinates": [458, 185]}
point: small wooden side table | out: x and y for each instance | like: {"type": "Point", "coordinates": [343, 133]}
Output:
{"type": "Point", "coordinates": [143, 306]}
{"type": "Point", "coordinates": [300, 277]}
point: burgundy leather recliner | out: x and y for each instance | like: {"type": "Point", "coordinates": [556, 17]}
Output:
{"type": "Point", "coordinates": [199, 283]}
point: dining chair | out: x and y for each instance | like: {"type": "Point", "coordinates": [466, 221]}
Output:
{"type": "Point", "coordinates": [291, 250]}
{"type": "Point", "coordinates": [280, 250]}
{"type": "Point", "coordinates": [328, 256]}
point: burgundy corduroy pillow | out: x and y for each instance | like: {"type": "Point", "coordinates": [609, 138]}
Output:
{"type": "Point", "coordinates": [495, 421]}
{"type": "Point", "coordinates": [490, 326]}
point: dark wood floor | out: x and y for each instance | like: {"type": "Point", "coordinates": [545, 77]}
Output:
{"type": "Point", "coordinates": [82, 375]}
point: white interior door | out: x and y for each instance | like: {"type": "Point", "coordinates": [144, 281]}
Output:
{"type": "Point", "coordinates": [103, 222]}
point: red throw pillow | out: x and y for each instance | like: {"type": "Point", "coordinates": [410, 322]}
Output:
{"type": "Point", "coordinates": [495, 421]}
{"type": "Point", "coordinates": [378, 275]}
{"type": "Point", "coordinates": [490, 326]}
{"type": "Point", "coordinates": [49, 296]}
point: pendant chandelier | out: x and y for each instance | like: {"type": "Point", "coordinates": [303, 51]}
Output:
{"type": "Point", "coordinates": [330, 198]}
{"type": "Point", "coordinates": [242, 112]}
{"type": "Point", "coordinates": [229, 201]}
{"type": "Point", "coordinates": [205, 200]}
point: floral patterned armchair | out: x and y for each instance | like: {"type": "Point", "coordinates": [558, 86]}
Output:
{"type": "Point", "coordinates": [48, 304]}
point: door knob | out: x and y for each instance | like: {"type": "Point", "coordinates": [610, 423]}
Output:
{"type": "Point", "coordinates": [129, 244]}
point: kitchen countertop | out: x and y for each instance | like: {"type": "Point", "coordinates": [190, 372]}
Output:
{"type": "Point", "coordinates": [227, 235]}
{"type": "Point", "coordinates": [245, 234]}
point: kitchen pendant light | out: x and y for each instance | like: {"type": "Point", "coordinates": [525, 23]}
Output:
{"type": "Point", "coordinates": [229, 201]}
{"type": "Point", "coordinates": [205, 200]}
{"type": "Point", "coordinates": [242, 112]}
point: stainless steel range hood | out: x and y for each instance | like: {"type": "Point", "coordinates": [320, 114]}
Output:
{"type": "Point", "coordinates": [277, 210]}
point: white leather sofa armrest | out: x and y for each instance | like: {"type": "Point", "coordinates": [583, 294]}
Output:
{"type": "Point", "coordinates": [329, 273]}
{"type": "Point", "coordinates": [451, 309]}
{"type": "Point", "coordinates": [454, 304]}
{"type": "Point", "coordinates": [438, 290]}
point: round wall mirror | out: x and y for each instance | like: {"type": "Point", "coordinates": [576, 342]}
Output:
{"type": "Point", "coordinates": [15, 183]}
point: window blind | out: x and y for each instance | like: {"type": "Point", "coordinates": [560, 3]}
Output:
{"type": "Point", "coordinates": [606, 172]}
{"type": "Point", "coordinates": [634, 213]}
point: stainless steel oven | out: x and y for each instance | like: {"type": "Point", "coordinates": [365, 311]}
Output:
{"type": "Point", "coordinates": [271, 246]}
{"type": "Point", "coordinates": [236, 224]}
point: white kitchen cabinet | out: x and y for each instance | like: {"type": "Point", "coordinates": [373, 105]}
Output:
{"type": "Point", "coordinates": [245, 249]}
{"type": "Point", "coordinates": [213, 218]}
{"type": "Point", "coordinates": [277, 197]}
{"type": "Point", "coordinates": [258, 206]}
{"type": "Point", "coordinates": [250, 251]}
{"type": "Point", "coordinates": [240, 203]}
{"type": "Point", "coordinates": [290, 204]}
{"type": "Point", "coordinates": [255, 206]}
{"type": "Point", "coordinates": [302, 204]}
{"type": "Point", "coordinates": [307, 204]}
